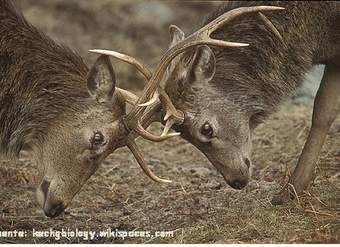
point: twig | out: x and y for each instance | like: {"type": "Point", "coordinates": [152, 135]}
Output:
{"type": "Point", "coordinates": [319, 213]}
{"type": "Point", "coordinates": [142, 200]}
{"type": "Point", "coordinates": [295, 193]}
{"type": "Point", "coordinates": [314, 211]}
{"type": "Point", "coordinates": [183, 188]}
{"type": "Point", "coordinates": [318, 199]}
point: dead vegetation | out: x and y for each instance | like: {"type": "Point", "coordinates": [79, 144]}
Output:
{"type": "Point", "coordinates": [199, 206]}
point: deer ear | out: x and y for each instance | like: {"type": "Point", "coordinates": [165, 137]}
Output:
{"type": "Point", "coordinates": [203, 66]}
{"type": "Point", "coordinates": [101, 80]}
{"type": "Point", "coordinates": [176, 35]}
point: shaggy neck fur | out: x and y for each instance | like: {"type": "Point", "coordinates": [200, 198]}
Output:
{"type": "Point", "coordinates": [39, 80]}
{"type": "Point", "coordinates": [257, 78]}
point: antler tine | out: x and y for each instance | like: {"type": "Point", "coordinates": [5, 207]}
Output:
{"type": "Point", "coordinates": [172, 115]}
{"type": "Point", "coordinates": [154, 98]}
{"type": "Point", "coordinates": [270, 25]}
{"type": "Point", "coordinates": [139, 157]}
{"type": "Point", "coordinates": [204, 33]}
{"type": "Point", "coordinates": [133, 61]}
{"type": "Point", "coordinates": [128, 59]}
{"type": "Point", "coordinates": [151, 137]}
{"type": "Point", "coordinates": [168, 126]}
{"type": "Point", "coordinates": [129, 97]}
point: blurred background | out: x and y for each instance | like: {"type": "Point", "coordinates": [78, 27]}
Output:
{"type": "Point", "coordinates": [137, 28]}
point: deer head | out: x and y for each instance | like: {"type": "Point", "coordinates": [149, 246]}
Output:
{"type": "Point", "coordinates": [192, 105]}
{"type": "Point", "coordinates": [77, 142]}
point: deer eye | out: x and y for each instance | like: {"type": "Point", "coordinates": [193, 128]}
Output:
{"type": "Point", "coordinates": [207, 130]}
{"type": "Point", "coordinates": [98, 138]}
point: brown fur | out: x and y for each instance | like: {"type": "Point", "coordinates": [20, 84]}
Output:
{"type": "Point", "coordinates": [232, 90]}
{"type": "Point", "coordinates": [268, 71]}
{"type": "Point", "coordinates": [39, 80]}
{"type": "Point", "coordinates": [51, 103]}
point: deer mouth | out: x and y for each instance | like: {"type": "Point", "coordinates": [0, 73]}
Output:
{"type": "Point", "coordinates": [235, 179]}
{"type": "Point", "coordinates": [238, 184]}
{"type": "Point", "coordinates": [53, 210]}
{"type": "Point", "coordinates": [52, 207]}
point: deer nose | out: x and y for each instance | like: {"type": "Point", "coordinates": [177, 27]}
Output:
{"type": "Point", "coordinates": [247, 162]}
{"type": "Point", "coordinates": [53, 210]}
{"type": "Point", "coordinates": [238, 184]}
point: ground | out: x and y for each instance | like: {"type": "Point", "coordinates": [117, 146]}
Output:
{"type": "Point", "coordinates": [198, 206]}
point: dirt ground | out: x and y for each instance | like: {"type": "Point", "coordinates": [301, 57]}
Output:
{"type": "Point", "coordinates": [199, 207]}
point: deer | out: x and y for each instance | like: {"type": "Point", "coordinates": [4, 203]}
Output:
{"type": "Point", "coordinates": [52, 105]}
{"type": "Point", "coordinates": [70, 117]}
{"type": "Point", "coordinates": [220, 91]}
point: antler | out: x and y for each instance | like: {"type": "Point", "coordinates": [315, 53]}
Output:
{"type": "Point", "coordinates": [200, 37]}
{"type": "Point", "coordinates": [139, 157]}
{"type": "Point", "coordinates": [270, 25]}
{"type": "Point", "coordinates": [128, 59]}
{"type": "Point", "coordinates": [146, 120]}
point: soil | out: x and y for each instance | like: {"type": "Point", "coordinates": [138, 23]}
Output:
{"type": "Point", "coordinates": [199, 207]}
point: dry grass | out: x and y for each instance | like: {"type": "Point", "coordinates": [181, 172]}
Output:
{"type": "Point", "coordinates": [199, 206]}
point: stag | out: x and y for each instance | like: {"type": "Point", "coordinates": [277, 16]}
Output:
{"type": "Point", "coordinates": [220, 92]}
{"type": "Point", "coordinates": [54, 106]}
{"type": "Point", "coordinates": [71, 117]}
